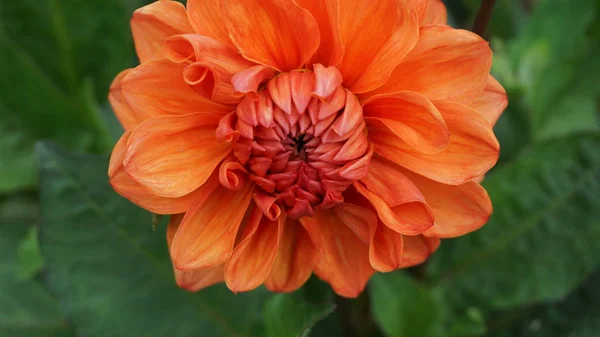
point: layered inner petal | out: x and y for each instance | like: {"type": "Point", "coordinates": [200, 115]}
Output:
{"type": "Point", "coordinates": [155, 22]}
{"type": "Point", "coordinates": [446, 64]}
{"type": "Point", "coordinates": [492, 101]}
{"type": "Point", "coordinates": [472, 150]}
{"type": "Point", "coordinates": [372, 51]}
{"type": "Point", "coordinates": [277, 33]}
{"type": "Point", "coordinates": [207, 234]}
{"type": "Point", "coordinates": [172, 156]}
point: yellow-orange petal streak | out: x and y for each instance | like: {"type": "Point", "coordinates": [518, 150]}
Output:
{"type": "Point", "coordinates": [492, 101]}
{"type": "Point", "coordinates": [205, 17]}
{"type": "Point", "coordinates": [119, 104]}
{"type": "Point", "coordinates": [277, 33]}
{"type": "Point", "coordinates": [152, 23]}
{"type": "Point", "coordinates": [436, 13]}
{"type": "Point", "coordinates": [158, 88]}
{"type": "Point", "coordinates": [173, 155]}
{"type": "Point", "coordinates": [252, 260]}
{"type": "Point", "coordinates": [296, 257]}
{"type": "Point", "coordinates": [326, 13]}
{"type": "Point", "coordinates": [446, 64]}
{"type": "Point", "coordinates": [207, 233]}
{"type": "Point", "coordinates": [472, 151]}
{"type": "Point", "coordinates": [343, 256]}
{"type": "Point", "coordinates": [458, 209]}
{"type": "Point", "coordinates": [192, 280]}
{"type": "Point", "coordinates": [372, 51]}
{"type": "Point", "coordinates": [412, 117]}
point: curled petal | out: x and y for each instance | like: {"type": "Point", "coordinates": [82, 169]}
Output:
{"type": "Point", "coordinates": [296, 257]}
{"type": "Point", "coordinates": [232, 174]}
{"type": "Point", "coordinates": [327, 81]}
{"type": "Point", "coordinates": [412, 117]}
{"type": "Point", "coordinates": [326, 13]}
{"type": "Point", "coordinates": [252, 260]}
{"type": "Point", "coordinates": [205, 17]}
{"type": "Point", "coordinates": [119, 104]}
{"type": "Point", "coordinates": [446, 64]}
{"type": "Point", "coordinates": [276, 33]}
{"type": "Point", "coordinates": [267, 204]}
{"type": "Point", "coordinates": [389, 41]}
{"type": "Point", "coordinates": [208, 231]}
{"type": "Point", "coordinates": [472, 150]}
{"type": "Point", "coordinates": [436, 14]}
{"type": "Point", "coordinates": [343, 256]}
{"type": "Point", "coordinates": [192, 280]}
{"type": "Point", "coordinates": [386, 249]}
{"type": "Point", "coordinates": [173, 155]}
{"type": "Point", "coordinates": [158, 88]}
{"type": "Point", "coordinates": [152, 23]}
{"type": "Point", "coordinates": [492, 101]}
{"type": "Point", "coordinates": [417, 249]}
{"type": "Point", "coordinates": [249, 80]}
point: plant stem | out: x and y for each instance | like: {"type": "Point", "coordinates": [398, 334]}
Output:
{"type": "Point", "coordinates": [483, 17]}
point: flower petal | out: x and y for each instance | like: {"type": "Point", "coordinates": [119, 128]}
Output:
{"type": "Point", "coordinates": [158, 88]}
{"type": "Point", "coordinates": [417, 249]}
{"type": "Point", "coordinates": [436, 14]}
{"type": "Point", "coordinates": [196, 279]}
{"type": "Point", "coordinates": [472, 151]}
{"type": "Point", "coordinates": [420, 8]}
{"type": "Point", "coordinates": [326, 13]}
{"type": "Point", "coordinates": [458, 209]}
{"type": "Point", "coordinates": [275, 33]}
{"type": "Point", "coordinates": [343, 256]}
{"type": "Point", "coordinates": [397, 201]}
{"type": "Point", "coordinates": [126, 186]}
{"type": "Point", "coordinates": [372, 51]}
{"type": "Point", "coordinates": [296, 257]}
{"type": "Point", "coordinates": [412, 117]}
{"type": "Point", "coordinates": [154, 22]}
{"type": "Point", "coordinates": [208, 231]}
{"type": "Point", "coordinates": [492, 101]}
{"type": "Point", "coordinates": [386, 249]}
{"type": "Point", "coordinates": [446, 64]}
{"type": "Point", "coordinates": [119, 104]}
{"type": "Point", "coordinates": [252, 260]}
{"type": "Point", "coordinates": [205, 17]}
{"type": "Point", "coordinates": [173, 155]}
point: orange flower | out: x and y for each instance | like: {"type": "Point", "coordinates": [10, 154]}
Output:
{"type": "Point", "coordinates": [342, 137]}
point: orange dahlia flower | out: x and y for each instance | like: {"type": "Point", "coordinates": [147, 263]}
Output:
{"type": "Point", "coordinates": [285, 137]}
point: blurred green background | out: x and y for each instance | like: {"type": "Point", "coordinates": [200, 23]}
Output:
{"type": "Point", "coordinates": [78, 260]}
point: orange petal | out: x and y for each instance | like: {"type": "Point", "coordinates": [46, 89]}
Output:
{"type": "Point", "coordinates": [343, 256]}
{"type": "Point", "coordinates": [152, 23]}
{"type": "Point", "coordinates": [173, 155]}
{"type": "Point", "coordinates": [275, 33]}
{"type": "Point", "coordinates": [372, 51]}
{"type": "Point", "coordinates": [208, 231]}
{"type": "Point", "coordinates": [446, 64]}
{"type": "Point", "coordinates": [386, 249]}
{"type": "Point", "coordinates": [248, 80]}
{"type": "Point", "coordinates": [327, 81]}
{"type": "Point", "coordinates": [419, 7]}
{"type": "Point", "coordinates": [192, 280]}
{"type": "Point", "coordinates": [205, 17]}
{"type": "Point", "coordinates": [158, 88]}
{"type": "Point", "coordinates": [458, 209]}
{"type": "Point", "coordinates": [417, 249]}
{"type": "Point", "coordinates": [436, 14]}
{"type": "Point", "coordinates": [120, 106]}
{"type": "Point", "coordinates": [295, 259]}
{"type": "Point", "coordinates": [326, 13]}
{"type": "Point", "coordinates": [472, 151]}
{"type": "Point", "coordinates": [412, 117]}
{"type": "Point", "coordinates": [124, 184]}
{"type": "Point", "coordinates": [398, 202]}
{"type": "Point", "coordinates": [252, 260]}
{"type": "Point", "coordinates": [492, 101]}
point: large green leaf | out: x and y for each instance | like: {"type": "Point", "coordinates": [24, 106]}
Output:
{"type": "Point", "coordinates": [112, 272]}
{"type": "Point", "coordinates": [542, 239]}
{"type": "Point", "coordinates": [402, 307]}
{"type": "Point", "coordinates": [27, 308]}
{"type": "Point", "coordinates": [289, 315]}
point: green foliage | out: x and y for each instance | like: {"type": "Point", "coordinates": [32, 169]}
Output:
{"type": "Point", "coordinates": [291, 316]}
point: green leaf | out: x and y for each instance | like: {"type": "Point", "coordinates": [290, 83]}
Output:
{"type": "Point", "coordinates": [30, 258]}
{"type": "Point", "coordinates": [402, 307]}
{"type": "Point", "coordinates": [111, 272]}
{"type": "Point", "coordinates": [542, 239]}
{"type": "Point", "coordinates": [16, 144]}
{"type": "Point", "coordinates": [27, 308]}
{"type": "Point", "coordinates": [289, 315]}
